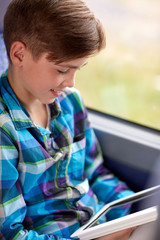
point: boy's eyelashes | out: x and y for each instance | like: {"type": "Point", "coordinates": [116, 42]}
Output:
{"type": "Point", "coordinates": [63, 72]}
{"type": "Point", "coordinates": [67, 70]}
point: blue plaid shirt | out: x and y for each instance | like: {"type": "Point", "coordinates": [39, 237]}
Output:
{"type": "Point", "coordinates": [51, 180]}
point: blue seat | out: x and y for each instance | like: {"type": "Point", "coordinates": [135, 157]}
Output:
{"type": "Point", "coordinates": [3, 55]}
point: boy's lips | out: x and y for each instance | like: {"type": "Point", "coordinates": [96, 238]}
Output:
{"type": "Point", "coordinates": [56, 93]}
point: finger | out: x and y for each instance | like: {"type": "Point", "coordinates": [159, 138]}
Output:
{"type": "Point", "coordinates": [127, 234]}
{"type": "Point", "coordinates": [124, 234]}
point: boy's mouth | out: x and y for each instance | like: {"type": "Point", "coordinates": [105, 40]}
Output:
{"type": "Point", "coordinates": [56, 91]}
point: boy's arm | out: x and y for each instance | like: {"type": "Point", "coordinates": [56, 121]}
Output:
{"type": "Point", "coordinates": [105, 185]}
{"type": "Point", "coordinates": [12, 205]}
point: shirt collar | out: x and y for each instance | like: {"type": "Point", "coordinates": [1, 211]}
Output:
{"type": "Point", "coordinates": [55, 109]}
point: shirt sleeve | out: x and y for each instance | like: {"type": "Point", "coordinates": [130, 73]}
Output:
{"type": "Point", "coordinates": [106, 186]}
{"type": "Point", "coordinates": [12, 205]}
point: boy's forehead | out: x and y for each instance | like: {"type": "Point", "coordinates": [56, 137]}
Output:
{"type": "Point", "coordinates": [76, 63]}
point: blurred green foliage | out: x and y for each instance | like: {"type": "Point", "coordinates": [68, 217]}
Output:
{"type": "Point", "coordinates": [123, 85]}
{"type": "Point", "coordinates": [124, 79]}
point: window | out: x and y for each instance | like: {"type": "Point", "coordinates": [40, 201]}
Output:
{"type": "Point", "coordinates": [124, 79]}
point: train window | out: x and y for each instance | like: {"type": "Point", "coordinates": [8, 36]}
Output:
{"type": "Point", "coordinates": [124, 79]}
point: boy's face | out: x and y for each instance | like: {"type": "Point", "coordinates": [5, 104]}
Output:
{"type": "Point", "coordinates": [43, 80]}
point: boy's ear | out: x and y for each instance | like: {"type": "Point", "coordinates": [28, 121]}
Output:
{"type": "Point", "coordinates": [17, 53]}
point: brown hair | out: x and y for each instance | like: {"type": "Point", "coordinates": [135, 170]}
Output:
{"type": "Point", "coordinates": [65, 29]}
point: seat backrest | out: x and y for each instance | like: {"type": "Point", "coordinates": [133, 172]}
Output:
{"type": "Point", "coordinates": [3, 55]}
{"type": "Point", "coordinates": [3, 6]}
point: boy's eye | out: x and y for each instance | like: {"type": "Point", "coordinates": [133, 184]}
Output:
{"type": "Point", "coordinates": [63, 72]}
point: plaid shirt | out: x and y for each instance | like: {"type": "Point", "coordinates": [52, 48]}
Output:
{"type": "Point", "coordinates": [51, 180]}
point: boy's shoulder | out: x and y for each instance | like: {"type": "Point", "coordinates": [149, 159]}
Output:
{"type": "Point", "coordinates": [71, 92]}
{"type": "Point", "coordinates": [72, 98]}
{"type": "Point", "coordinates": [6, 124]}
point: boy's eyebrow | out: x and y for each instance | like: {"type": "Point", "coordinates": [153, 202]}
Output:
{"type": "Point", "coordinates": [72, 66]}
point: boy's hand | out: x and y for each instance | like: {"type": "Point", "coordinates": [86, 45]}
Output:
{"type": "Point", "coordinates": [121, 235]}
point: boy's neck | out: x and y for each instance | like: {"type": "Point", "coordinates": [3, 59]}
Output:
{"type": "Point", "coordinates": [39, 115]}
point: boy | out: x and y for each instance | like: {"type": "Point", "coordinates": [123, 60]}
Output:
{"type": "Point", "coordinates": [51, 174]}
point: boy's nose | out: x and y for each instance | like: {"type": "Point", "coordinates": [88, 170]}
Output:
{"type": "Point", "coordinates": [70, 81]}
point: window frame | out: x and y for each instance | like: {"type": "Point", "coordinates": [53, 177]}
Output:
{"type": "Point", "coordinates": [130, 150]}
